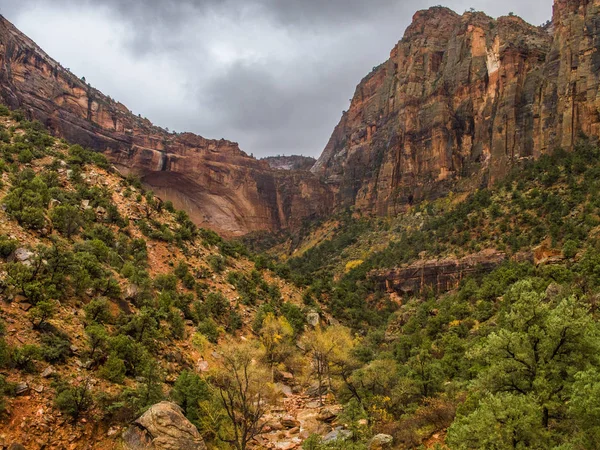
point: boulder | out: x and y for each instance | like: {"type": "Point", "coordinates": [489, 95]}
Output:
{"type": "Point", "coordinates": [202, 366]}
{"type": "Point", "coordinates": [163, 427]}
{"type": "Point", "coordinates": [327, 415]}
{"type": "Point", "coordinates": [23, 255]}
{"type": "Point", "coordinates": [338, 434]}
{"type": "Point", "coordinates": [283, 389]}
{"type": "Point", "coordinates": [21, 388]}
{"type": "Point", "coordinates": [313, 318]}
{"type": "Point", "coordinates": [16, 446]}
{"type": "Point", "coordinates": [381, 442]}
{"type": "Point", "coordinates": [289, 422]}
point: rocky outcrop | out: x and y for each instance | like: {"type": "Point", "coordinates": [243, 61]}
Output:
{"type": "Point", "coordinates": [163, 427]}
{"type": "Point", "coordinates": [294, 162]}
{"type": "Point", "coordinates": [438, 275]}
{"type": "Point", "coordinates": [460, 101]}
{"type": "Point", "coordinates": [218, 184]}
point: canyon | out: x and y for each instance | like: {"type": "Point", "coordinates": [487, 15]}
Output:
{"type": "Point", "coordinates": [462, 99]}
{"type": "Point", "coordinates": [219, 185]}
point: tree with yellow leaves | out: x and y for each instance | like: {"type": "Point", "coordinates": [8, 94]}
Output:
{"type": "Point", "coordinates": [241, 390]}
{"type": "Point", "coordinates": [276, 338]}
{"type": "Point", "coordinates": [330, 351]}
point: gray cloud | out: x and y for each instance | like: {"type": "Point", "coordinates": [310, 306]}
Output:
{"type": "Point", "coordinates": [273, 75]}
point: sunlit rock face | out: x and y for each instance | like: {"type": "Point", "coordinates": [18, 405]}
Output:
{"type": "Point", "coordinates": [218, 184]}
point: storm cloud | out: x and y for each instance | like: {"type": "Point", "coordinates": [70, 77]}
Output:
{"type": "Point", "coordinates": [273, 75]}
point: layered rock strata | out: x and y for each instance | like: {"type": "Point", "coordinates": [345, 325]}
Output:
{"type": "Point", "coordinates": [460, 101]}
{"type": "Point", "coordinates": [218, 184]}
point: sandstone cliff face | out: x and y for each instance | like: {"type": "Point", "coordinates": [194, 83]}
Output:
{"type": "Point", "coordinates": [293, 162]}
{"type": "Point", "coordinates": [461, 99]}
{"type": "Point", "coordinates": [218, 184]}
{"type": "Point", "coordinates": [437, 275]}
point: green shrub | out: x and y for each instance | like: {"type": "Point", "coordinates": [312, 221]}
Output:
{"type": "Point", "coordinates": [7, 246]}
{"type": "Point", "coordinates": [209, 329]}
{"type": "Point", "coordinates": [24, 357]}
{"type": "Point", "coordinates": [55, 348]}
{"type": "Point", "coordinates": [217, 305]}
{"type": "Point", "coordinates": [73, 400]}
{"type": "Point", "coordinates": [114, 369]}
{"type": "Point", "coordinates": [43, 311]}
{"type": "Point", "coordinates": [188, 391]}
{"type": "Point", "coordinates": [169, 206]}
{"type": "Point", "coordinates": [217, 263]}
{"type": "Point", "coordinates": [294, 316]}
{"type": "Point", "coordinates": [98, 310]}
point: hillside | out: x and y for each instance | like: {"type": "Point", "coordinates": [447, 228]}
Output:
{"type": "Point", "coordinates": [477, 312]}
{"type": "Point", "coordinates": [433, 283]}
{"type": "Point", "coordinates": [112, 300]}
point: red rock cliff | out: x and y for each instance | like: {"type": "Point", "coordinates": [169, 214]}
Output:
{"type": "Point", "coordinates": [462, 99]}
{"type": "Point", "coordinates": [218, 184]}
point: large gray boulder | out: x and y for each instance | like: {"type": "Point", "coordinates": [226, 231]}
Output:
{"type": "Point", "coordinates": [381, 442]}
{"type": "Point", "coordinates": [163, 427]}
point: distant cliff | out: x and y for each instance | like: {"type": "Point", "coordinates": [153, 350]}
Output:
{"type": "Point", "coordinates": [218, 184]}
{"type": "Point", "coordinates": [293, 162]}
{"type": "Point", "coordinates": [460, 101]}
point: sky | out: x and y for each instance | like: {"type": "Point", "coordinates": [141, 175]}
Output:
{"type": "Point", "coordinates": [273, 75]}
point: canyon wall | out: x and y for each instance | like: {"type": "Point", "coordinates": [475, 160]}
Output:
{"type": "Point", "coordinates": [460, 101]}
{"type": "Point", "coordinates": [437, 275]}
{"type": "Point", "coordinates": [219, 185]}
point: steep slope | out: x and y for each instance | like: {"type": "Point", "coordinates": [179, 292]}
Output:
{"type": "Point", "coordinates": [112, 301]}
{"type": "Point", "coordinates": [461, 100]}
{"type": "Point", "coordinates": [219, 185]}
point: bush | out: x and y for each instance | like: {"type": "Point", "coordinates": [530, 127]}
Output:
{"type": "Point", "coordinates": [234, 321]}
{"type": "Point", "coordinates": [43, 311]}
{"type": "Point", "coordinates": [209, 329]}
{"type": "Point", "coordinates": [73, 400]}
{"type": "Point", "coordinates": [114, 369]}
{"type": "Point", "coordinates": [217, 263]}
{"type": "Point", "coordinates": [188, 391]}
{"type": "Point", "coordinates": [32, 217]}
{"type": "Point", "coordinates": [570, 249]}
{"type": "Point", "coordinates": [294, 316]}
{"type": "Point", "coordinates": [217, 305]}
{"type": "Point", "coordinates": [98, 310]}
{"type": "Point", "coordinates": [7, 246]}
{"type": "Point", "coordinates": [24, 357]}
{"type": "Point", "coordinates": [55, 348]}
{"type": "Point", "coordinates": [169, 206]}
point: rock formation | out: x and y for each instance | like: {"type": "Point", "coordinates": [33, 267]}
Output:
{"type": "Point", "coordinates": [163, 427]}
{"type": "Point", "coordinates": [219, 185]}
{"type": "Point", "coordinates": [461, 100]}
{"type": "Point", "coordinates": [293, 162]}
{"type": "Point", "coordinates": [437, 275]}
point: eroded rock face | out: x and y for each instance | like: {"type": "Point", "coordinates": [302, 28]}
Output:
{"type": "Point", "coordinates": [462, 99]}
{"type": "Point", "coordinates": [163, 427]}
{"type": "Point", "coordinates": [439, 275]}
{"type": "Point", "coordinates": [218, 184]}
{"type": "Point", "coordinates": [294, 162]}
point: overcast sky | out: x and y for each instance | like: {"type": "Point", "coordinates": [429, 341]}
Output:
{"type": "Point", "coordinates": [273, 75]}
